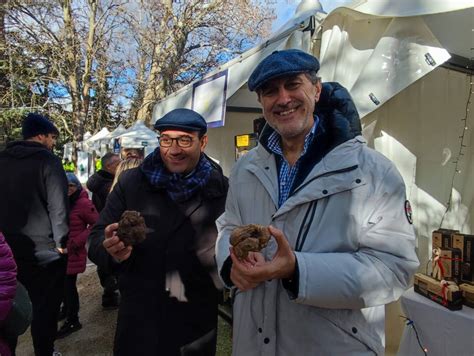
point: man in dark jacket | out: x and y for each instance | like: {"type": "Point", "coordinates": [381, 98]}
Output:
{"type": "Point", "coordinates": [99, 184]}
{"type": "Point", "coordinates": [33, 218]}
{"type": "Point", "coordinates": [168, 282]}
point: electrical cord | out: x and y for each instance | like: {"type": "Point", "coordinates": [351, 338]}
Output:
{"type": "Point", "coordinates": [411, 323]}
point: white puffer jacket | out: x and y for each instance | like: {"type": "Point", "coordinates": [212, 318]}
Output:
{"type": "Point", "coordinates": [354, 245]}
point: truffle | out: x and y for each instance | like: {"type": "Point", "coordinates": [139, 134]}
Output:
{"type": "Point", "coordinates": [249, 238]}
{"type": "Point", "coordinates": [132, 228]}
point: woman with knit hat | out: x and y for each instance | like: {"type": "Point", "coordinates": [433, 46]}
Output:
{"type": "Point", "coordinates": [82, 217]}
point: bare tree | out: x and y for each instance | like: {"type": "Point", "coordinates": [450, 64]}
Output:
{"type": "Point", "coordinates": [4, 82]}
{"type": "Point", "coordinates": [86, 62]}
{"type": "Point", "coordinates": [66, 37]}
{"type": "Point", "coordinates": [180, 41]}
{"type": "Point", "coordinates": [86, 44]}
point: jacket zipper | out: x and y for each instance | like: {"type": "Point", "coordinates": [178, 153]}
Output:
{"type": "Point", "coordinates": [311, 211]}
{"type": "Point", "coordinates": [311, 208]}
{"type": "Point", "coordinates": [302, 225]}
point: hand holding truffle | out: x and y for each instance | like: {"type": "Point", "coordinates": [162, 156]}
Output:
{"type": "Point", "coordinates": [121, 236]}
{"type": "Point", "coordinates": [248, 272]}
{"type": "Point", "coordinates": [131, 229]}
{"type": "Point", "coordinates": [114, 246]}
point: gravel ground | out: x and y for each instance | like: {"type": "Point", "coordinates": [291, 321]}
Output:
{"type": "Point", "coordinates": [98, 326]}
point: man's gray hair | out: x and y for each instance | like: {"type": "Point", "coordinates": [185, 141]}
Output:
{"type": "Point", "coordinates": [108, 158]}
{"type": "Point", "coordinates": [313, 77]}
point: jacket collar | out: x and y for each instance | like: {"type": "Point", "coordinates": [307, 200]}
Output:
{"type": "Point", "coordinates": [336, 172]}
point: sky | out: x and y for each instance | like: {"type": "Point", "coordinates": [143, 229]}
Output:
{"type": "Point", "coordinates": [284, 9]}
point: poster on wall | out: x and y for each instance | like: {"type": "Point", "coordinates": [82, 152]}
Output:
{"type": "Point", "coordinates": [209, 98]}
{"type": "Point", "coordinates": [116, 145]}
{"type": "Point", "coordinates": [82, 166]}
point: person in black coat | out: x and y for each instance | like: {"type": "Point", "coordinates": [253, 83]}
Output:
{"type": "Point", "coordinates": [168, 283]}
{"type": "Point", "coordinates": [34, 220]}
{"type": "Point", "coordinates": [100, 182]}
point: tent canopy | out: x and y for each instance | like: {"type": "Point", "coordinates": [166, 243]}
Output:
{"type": "Point", "coordinates": [102, 134]}
{"type": "Point", "coordinates": [120, 129]}
{"type": "Point", "coordinates": [379, 48]}
{"type": "Point", "coordinates": [139, 130]}
{"type": "Point", "coordinates": [97, 142]}
{"type": "Point", "coordinates": [139, 136]}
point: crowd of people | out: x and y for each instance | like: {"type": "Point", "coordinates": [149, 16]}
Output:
{"type": "Point", "coordinates": [342, 242]}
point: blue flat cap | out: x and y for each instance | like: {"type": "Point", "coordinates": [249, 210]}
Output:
{"type": "Point", "coordinates": [182, 119]}
{"type": "Point", "coordinates": [36, 124]}
{"type": "Point", "coordinates": [280, 63]}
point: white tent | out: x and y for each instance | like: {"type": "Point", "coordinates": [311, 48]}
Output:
{"type": "Point", "coordinates": [113, 138]}
{"type": "Point", "coordinates": [405, 64]}
{"type": "Point", "coordinates": [139, 136]}
{"type": "Point", "coordinates": [120, 129]}
{"type": "Point", "coordinates": [87, 136]}
{"type": "Point", "coordinates": [97, 142]}
{"type": "Point", "coordinates": [102, 134]}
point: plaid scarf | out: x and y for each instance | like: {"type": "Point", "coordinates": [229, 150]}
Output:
{"type": "Point", "coordinates": [178, 186]}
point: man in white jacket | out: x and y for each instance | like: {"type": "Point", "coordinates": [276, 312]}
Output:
{"type": "Point", "coordinates": [343, 242]}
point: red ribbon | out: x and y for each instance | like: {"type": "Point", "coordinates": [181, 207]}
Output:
{"type": "Point", "coordinates": [444, 295]}
{"type": "Point", "coordinates": [444, 286]}
{"type": "Point", "coordinates": [441, 268]}
{"type": "Point", "coordinates": [440, 265]}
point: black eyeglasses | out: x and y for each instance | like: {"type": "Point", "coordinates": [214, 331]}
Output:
{"type": "Point", "coordinates": [182, 141]}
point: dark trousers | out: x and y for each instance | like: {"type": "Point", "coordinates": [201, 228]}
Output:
{"type": "Point", "coordinates": [11, 342]}
{"type": "Point", "coordinates": [108, 281]}
{"type": "Point", "coordinates": [71, 298]}
{"type": "Point", "coordinates": [45, 285]}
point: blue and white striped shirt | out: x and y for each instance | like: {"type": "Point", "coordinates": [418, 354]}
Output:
{"type": "Point", "coordinates": [287, 173]}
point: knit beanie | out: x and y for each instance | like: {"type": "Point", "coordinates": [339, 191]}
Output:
{"type": "Point", "coordinates": [36, 124]}
{"type": "Point", "coordinates": [72, 178]}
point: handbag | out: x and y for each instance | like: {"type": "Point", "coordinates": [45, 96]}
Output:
{"type": "Point", "coordinates": [19, 318]}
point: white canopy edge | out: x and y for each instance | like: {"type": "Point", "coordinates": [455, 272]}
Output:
{"type": "Point", "coordinates": [140, 131]}
{"type": "Point", "coordinates": [139, 136]}
{"type": "Point", "coordinates": [102, 134]}
{"type": "Point", "coordinates": [119, 130]}
{"type": "Point", "coordinates": [377, 58]}
{"type": "Point", "coordinates": [404, 8]}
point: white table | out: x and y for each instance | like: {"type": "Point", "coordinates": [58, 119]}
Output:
{"type": "Point", "coordinates": [442, 331]}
